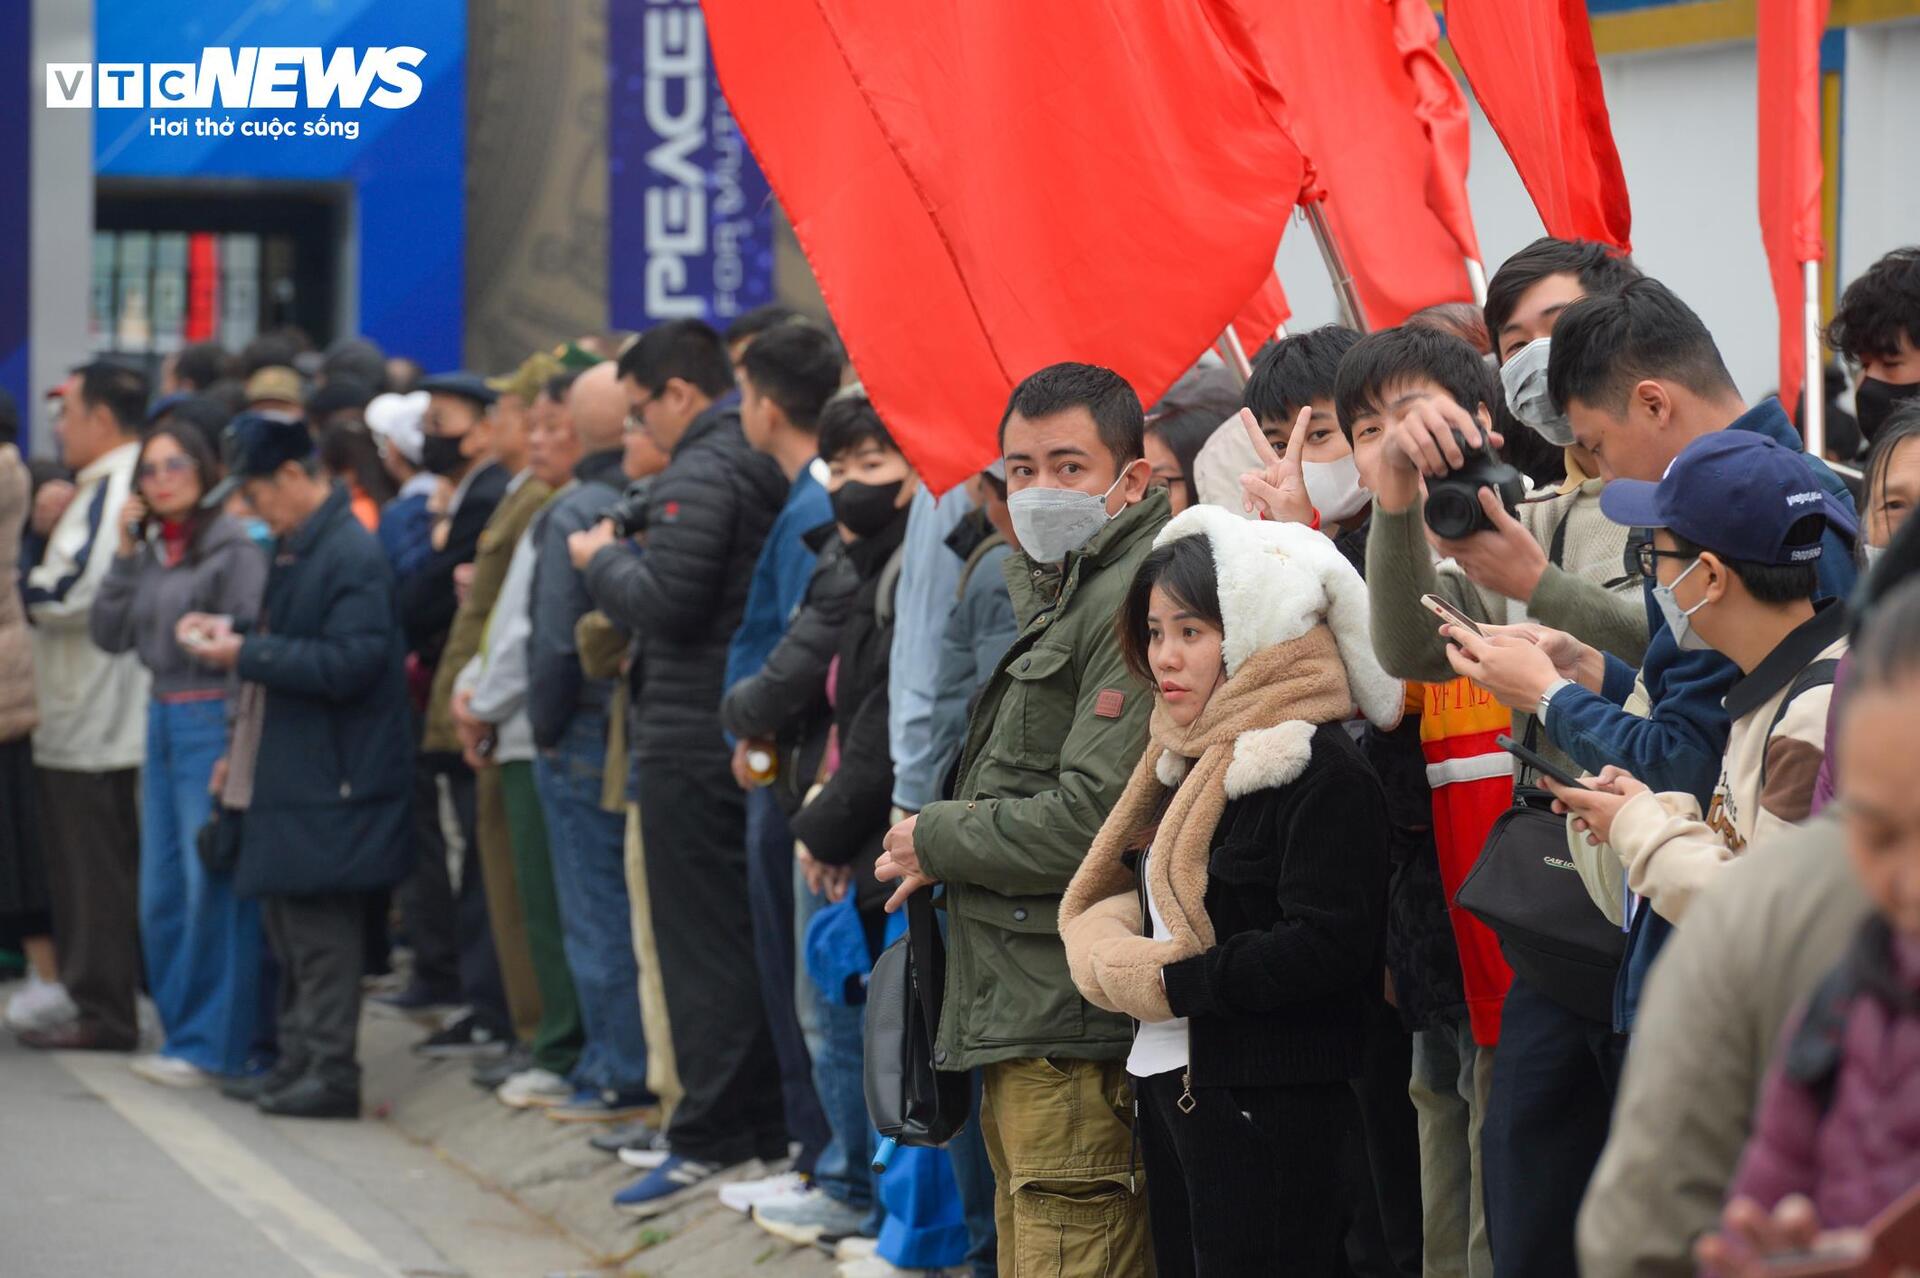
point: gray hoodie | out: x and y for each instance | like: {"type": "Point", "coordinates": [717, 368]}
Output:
{"type": "Point", "coordinates": [141, 599]}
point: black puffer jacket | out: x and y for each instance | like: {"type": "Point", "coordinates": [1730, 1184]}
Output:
{"type": "Point", "coordinates": [786, 700]}
{"type": "Point", "coordinates": [1422, 957]}
{"type": "Point", "coordinates": [848, 818]}
{"type": "Point", "coordinates": [707, 514]}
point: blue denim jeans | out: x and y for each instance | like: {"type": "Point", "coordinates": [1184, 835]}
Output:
{"type": "Point", "coordinates": [776, 950]}
{"type": "Point", "coordinates": [836, 1040]}
{"type": "Point", "coordinates": [202, 944]}
{"type": "Point", "coordinates": [588, 846]}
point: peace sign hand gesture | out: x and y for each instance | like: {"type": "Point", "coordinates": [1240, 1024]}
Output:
{"type": "Point", "coordinates": [1278, 490]}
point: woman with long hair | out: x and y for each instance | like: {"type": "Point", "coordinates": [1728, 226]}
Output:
{"type": "Point", "coordinates": [202, 945]}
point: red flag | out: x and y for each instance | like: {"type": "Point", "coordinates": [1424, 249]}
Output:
{"type": "Point", "coordinates": [984, 187]}
{"type": "Point", "coordinates": [1262, 316]}
{"type": "Point", "coordinates": [1355, 108]}
{"type": "Point", "coordinates": [1441, 107]}
{"type": "Point", "coordinates": [1787, 36]}
{"type": "Point", "coordinates": [1532, 66]}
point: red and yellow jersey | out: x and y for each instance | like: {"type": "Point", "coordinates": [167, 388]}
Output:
{"type": "Point", "coordinates": [1472, 783]}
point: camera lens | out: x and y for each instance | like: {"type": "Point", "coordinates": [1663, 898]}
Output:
{"type": "Point", "coordinates": [1452, 509]}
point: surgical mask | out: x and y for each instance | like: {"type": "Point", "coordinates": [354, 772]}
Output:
{"type": "Point", "coordinates": [1052, 523]}
{"type": "Point", "coordinates": [441, 455]}
{"type": "Point", "coordinates": [1334, 488]}
{"type": "Point", "coordinates": [1680, 620]}
{"type": "Point", "coordinates": [865, 510]}
{"type": "Point", "coordinates": [1523, 379]}
{"type": "Point", "coordinates": [258, 532]}
{"type": "Point", "coordinates": [1875, 400]}
{"type": "Point", "coordinates": [1870, 554]}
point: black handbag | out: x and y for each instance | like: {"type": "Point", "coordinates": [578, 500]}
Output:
{"type": "Point", "coordinates": [909, 1100]}
{"type": "Point", "coordinates": [218, 841]}
{"type": "Point", "coordinates": [1526, 889]}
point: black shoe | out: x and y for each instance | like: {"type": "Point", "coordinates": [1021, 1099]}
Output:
{"type": "Point", "coordinates": [488, 1075]}
{"type": "Point", "coordinates": [415, 1001]}
{"type": "Point", "coordinates": [251, 1087]}
{"type": "Point", "coordinates": [465, 1037]}
{"type": "Point", "coordinates": [622, 1135]}
{"type": "Point", "coordinates": [309, 1097]}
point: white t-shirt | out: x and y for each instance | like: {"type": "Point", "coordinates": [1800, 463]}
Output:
{"type": "Point", "coordinates": [1158, 1046]}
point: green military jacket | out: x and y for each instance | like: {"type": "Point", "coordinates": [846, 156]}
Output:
{"type": "Point", "coordinates": [1052, 741]}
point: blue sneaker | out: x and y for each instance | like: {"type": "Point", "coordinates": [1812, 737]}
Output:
{"type": "Point", "coordinates": [594, 1105]}
{"type": "Point", "coordinates": [675, 1182]}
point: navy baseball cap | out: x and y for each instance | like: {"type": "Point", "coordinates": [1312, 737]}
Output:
{"type": "Point", "coordinates": [1736, 493]}
{"type": "Point", "coordinates": [255, 444]}
{"type": "Point", "coordinates": [464, 384]}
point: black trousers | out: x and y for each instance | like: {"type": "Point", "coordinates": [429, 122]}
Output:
{"type": "Point", "coordinates": [1555, 1074]}
{"type": "Point", "coordinates": [319, 941]}
{"type": "Point", "coordinates": [1385, 1238]}
{"type": "Point", "coordinates": [693, 830]}
{"type": "Point", "coordinates": [92, 844]}
{"type": "Point", "coordinates": [1248, 1181]}
{"type": "Point", "coordinates": [453, 956]}
{"type": "Point", "coordinates": [770, 898]}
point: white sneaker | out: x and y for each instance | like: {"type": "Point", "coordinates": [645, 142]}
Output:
{"type": "Point", "coordinates": [534, 1089]}
{"type": "Point", "coordinates": [856, 1247]}
{"type": "Point", "coordinates": [874, 1267]}
{"type": "Point", "coordinates": [169, 1071]}
{"type": "Point", "coordinates": [649, 1155]}
{"type": "Point", "coordinates": [743, 1195]}
{"type": "Point", "coordinates": [40, 1005]}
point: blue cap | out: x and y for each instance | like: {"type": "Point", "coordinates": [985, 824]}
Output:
{"type": "Point", "coordinates": [1735, 493]}
{"type": "Point", "coordinates": [166, 404]}
{"type": "Point", "coordinates": [462, 383]}
{"type": "Point", "coordinates": [255, 444]}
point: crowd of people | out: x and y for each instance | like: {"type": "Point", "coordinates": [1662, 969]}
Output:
{"type": "Point", "coordinates": [1437, 805]}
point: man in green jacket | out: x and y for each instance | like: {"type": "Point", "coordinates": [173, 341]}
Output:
{"type": "Point", "coordinates": [1056, 733]}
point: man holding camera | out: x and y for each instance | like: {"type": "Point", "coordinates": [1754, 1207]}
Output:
{"type": "Point", "coordinates": [1559, 561]}
{"type": "Point", "coordinates": [570, 713]}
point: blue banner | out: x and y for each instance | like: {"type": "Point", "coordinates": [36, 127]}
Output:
{"type": "Point", "coordinates": [690, 227]}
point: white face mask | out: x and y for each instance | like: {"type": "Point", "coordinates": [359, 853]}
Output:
{"type": "Point", "coordinates": [1334, 488]}
{"type": "Point", "coordinates": [1052, 523]}
{"type": "Point", "coordinates": [1523, 378]}
{"type": "Point", "coordinates": [1870, 554]}
{"type": "Point", "coordinates": [1680, 620]}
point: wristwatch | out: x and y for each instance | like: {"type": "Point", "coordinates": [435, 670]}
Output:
{"type": "Point", "coordinates": [1546, 698]}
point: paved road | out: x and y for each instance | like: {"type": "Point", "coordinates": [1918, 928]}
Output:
{"type": "Point", "coordinates": [104, 1175]}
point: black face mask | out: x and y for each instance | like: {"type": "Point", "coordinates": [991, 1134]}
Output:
{"type": "Point", "coordinates": [440, 454]}
{"type": "Point", "coordinates": [866, 509]}
{"type": "Point", "coordinates": [1875, 400]}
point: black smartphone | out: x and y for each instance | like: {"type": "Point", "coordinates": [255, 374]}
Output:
{"type": "Point", "coordinates": [1539, 764]}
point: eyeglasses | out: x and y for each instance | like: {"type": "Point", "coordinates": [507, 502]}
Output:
{"type": "Point", "coordinates": [171, 466]}
{"type": "Point", "coordinates": [635, 423]}
{"type": "Point", "coordinates": [1650, 555]}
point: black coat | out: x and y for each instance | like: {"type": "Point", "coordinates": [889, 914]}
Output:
{"type": "Point", "coordinates": [1296, 885]}
{"type": "Point", "coordinates": [849, 817]}
{"type": "Point", "coordinates": [426, 597]}
{"type": "Point", "coordinates": [707, 514]}
{"type": "Point", "coordinates": [1422, 955]}
{"type": "Point", "coordinates": [785, 701]}
{"type": "Point", "coordinates": [330, 808]}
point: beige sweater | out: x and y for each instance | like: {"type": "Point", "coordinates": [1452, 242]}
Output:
{"type": "Point", "coordinates": [1672, 851]}
{"type": "Point", "coordinates": [19, 714]}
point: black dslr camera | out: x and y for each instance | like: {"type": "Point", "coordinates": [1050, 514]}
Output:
{"type": "Point", "coordinates": [629, 514]}
{"type": "Point", "coordinates": [1453, 501]}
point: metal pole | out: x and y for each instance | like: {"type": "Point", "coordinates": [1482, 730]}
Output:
{"type": "Point", "coordinates": [1343, 289]}
{"type": "Point", "coordinates": [1814, 393]}
{"type": "Point", "coordinates": [1235, 354]}
{"type": "Point", "coordinates": [1279, 332]}
{"type": "Point", "coordinates": [1477, 280]}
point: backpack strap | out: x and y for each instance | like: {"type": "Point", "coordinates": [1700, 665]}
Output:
{"type": "Point", "coordinates": [1818, 674]}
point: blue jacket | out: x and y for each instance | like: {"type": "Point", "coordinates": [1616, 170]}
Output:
{"type": "Point", "coordinates": [406, 533]}
{"type": "Point", "coordinates": [1680, 744]}
{"type": "Point", "coordinates": [780, 575]}
{"type": "Point", "coordinates": [332, 781]}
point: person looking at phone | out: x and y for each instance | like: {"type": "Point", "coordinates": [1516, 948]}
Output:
{"type": "Point", "coordinates": [201, 942]}
{"type": "Point", "coordinates": [1736, 531]}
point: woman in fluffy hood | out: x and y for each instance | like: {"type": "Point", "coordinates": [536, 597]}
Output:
{"type": "Point", "coordinates": [1233, 903]}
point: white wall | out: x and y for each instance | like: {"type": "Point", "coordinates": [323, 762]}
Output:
{"type": "Point", "coordinates": [1684, 122]}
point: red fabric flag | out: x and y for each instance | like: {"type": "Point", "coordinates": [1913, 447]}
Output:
{"type": "Point", "coordinates": [984, 187]}
{"type": "Point", "coordinates": [1787, 37]}
{"type": "Point", "coordinates": [1441, 106]}
{"type": "Point", "coordinates": [1355, 107]}
{"type": "Point", "coordinates": [1262, 316]}
{"type": "Point", "coordinates": [1532, 66]}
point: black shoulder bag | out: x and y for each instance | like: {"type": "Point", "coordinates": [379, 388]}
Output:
{"type": "Point", "coordinates": [909, 1100]}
